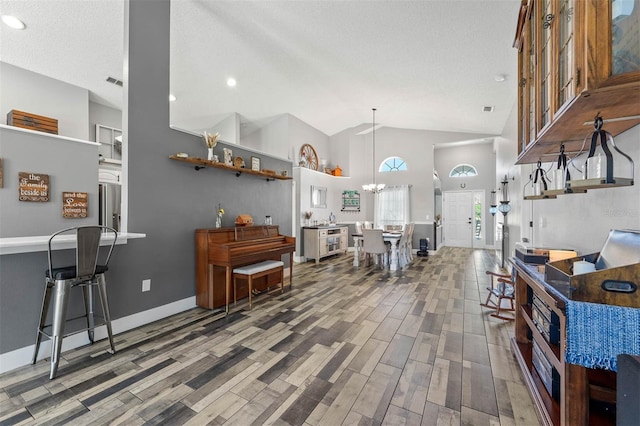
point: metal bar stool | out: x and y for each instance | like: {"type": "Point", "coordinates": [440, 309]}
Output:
{"type": "Point", "coordinates": [86, 273]}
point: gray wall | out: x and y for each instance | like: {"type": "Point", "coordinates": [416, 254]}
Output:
{"type": "Point", "coordinates": [168, 200]}
{"type": "Point", "coordinates": [31, 92]}
{"type": "Point", "coordinates": [63, 161]}
{"type": "Point", "coordinates": [22, 275]}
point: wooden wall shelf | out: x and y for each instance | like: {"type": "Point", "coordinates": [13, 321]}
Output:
{"type": "Point", "coordinates": [200, 163]}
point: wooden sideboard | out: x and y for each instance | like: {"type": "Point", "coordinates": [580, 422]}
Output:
{"type": "Point", "coordinates": [576, 395]}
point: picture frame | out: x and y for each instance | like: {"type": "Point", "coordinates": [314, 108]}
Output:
{"type": "Point", "coordinates": [255, 163]}
{"type": "Point", "coordinates": [228, 156]}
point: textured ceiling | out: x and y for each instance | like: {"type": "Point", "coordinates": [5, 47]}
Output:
{"type": "Point", "coordinates": [423, 64]}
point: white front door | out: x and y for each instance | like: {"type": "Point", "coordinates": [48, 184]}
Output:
{"type": "Point", "coordinates": [464, 219]}
{"type": "Point", "coordinates": [457, 218]}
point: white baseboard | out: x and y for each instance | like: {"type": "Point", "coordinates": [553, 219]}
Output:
{"type": "Point", "coordinates": [21, 357]}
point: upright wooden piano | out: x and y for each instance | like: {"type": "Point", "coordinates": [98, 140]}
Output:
{"type": "Point", "coordinates": [220, 250]}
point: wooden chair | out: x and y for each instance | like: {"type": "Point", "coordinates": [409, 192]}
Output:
{"type": "Point", "coordinates": [502, 289]}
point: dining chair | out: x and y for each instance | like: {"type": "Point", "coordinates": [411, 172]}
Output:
{"type": "Point", "coordinates": [358, 227]}
{"type": "Point", "coordinates": [374, 245]}
{"type": "Point", "coordinates": [411, 226]}
{"type": "Point", "coordinates": [403, 257]}
{"type": "Point", "coordinates": [87, 272]}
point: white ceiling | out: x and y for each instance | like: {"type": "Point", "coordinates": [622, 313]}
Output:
{"type": "Point", "coordinates": [423, 64]}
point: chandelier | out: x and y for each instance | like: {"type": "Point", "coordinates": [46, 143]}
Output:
{"type": "Point", "coordinates": [373, 187]}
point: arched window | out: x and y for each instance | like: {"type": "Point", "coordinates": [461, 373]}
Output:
{"type": "Point", "coordinates": [393, 164]}
{"type": "Point", "coordinates": [463, 170]}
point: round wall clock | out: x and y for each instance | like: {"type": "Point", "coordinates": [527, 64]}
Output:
{"type": "Point", "coordinates": [309, 157]}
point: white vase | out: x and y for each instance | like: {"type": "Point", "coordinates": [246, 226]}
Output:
{"type": "Point", "coordinates": [218, 222]}
{"type": "Point", "coordinates": [210, 154]}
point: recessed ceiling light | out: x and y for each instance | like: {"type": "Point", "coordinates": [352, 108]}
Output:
{"type": "Point", "coordinates": [499, 78]}
{"type": "Point", "coordinates": [231, 82]}
{"type": "Point", "coordinates": [13, 22]}
{"type": "Point", "coordinates": [172, 98]}
{"type": "Point", "coordinates": [487, 108]}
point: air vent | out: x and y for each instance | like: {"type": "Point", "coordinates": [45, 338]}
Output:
{"type": "Point", "coordinates": [487, 109]}
{"type": "Point", "coordinates": [114, 81]}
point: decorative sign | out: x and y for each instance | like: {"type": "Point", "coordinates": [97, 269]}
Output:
{"type": "Point", "coordinates": [255, 163]}
{"type": "Point", "coordinates": [75, 205]}
{"type": "Point", "coordinates": [33, 187]}
{"type": "Point", "coordinates": [228, 156]}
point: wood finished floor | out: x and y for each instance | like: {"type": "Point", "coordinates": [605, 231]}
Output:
{"type": "Point", "coordinates": [351, 346]}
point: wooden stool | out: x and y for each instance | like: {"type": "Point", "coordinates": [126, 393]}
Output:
{"type": "Point", "coordinates": [258, 270]}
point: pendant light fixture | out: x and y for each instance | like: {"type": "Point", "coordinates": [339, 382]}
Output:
{"type": "Point", "coordinates": [537, 188]}
{"type": "Point", "coordinates": [494, 207]}
{"type": "Point", "coordinates": [604, 165]}
{"type": "Point", "coordinates": [504, 206]}
{"type": "Point", "coordinates": [373, 187]}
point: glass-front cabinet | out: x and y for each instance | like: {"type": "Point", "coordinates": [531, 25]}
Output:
{"type": "Point", "coordinates": [577, 59]}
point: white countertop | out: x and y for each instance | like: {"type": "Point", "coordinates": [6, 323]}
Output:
{"type": "Point", "coordinates": [14, 245]}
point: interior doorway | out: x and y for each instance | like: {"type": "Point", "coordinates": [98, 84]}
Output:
{"type": "Point", "coordinates": [464, 218]}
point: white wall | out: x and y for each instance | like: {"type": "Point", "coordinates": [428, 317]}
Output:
{"type": "Point", "coordinates": [104, 115]}
{"type": "Point", "coordinates": [305, 178]}
{"type": "Point", "coordinates": [229, 129]}
{"type": "Point", "coordinates": [583, 221]}
{"type": "Point", "coordinates": [577, 221]}
{"type": "Point", "coordinates": [339, 152]}
{"type": "Point", "coordinates": [416, 148]}
{"type": "Point", "coordinates": [301, 133]}
{"type": "Point", "coordinates": [282, 136]}
{"type": "Point", "coordinates": [31, 92]}
{"type": "Point", "coordinates": [483, 158]}
{"type": "Point", "coordinates": [506, 153]}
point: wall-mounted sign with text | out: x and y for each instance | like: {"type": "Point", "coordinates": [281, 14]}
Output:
{"type": "Point", "coordinates": [33, 187]}
{"type": "Point", "coordinates": [75, 205]}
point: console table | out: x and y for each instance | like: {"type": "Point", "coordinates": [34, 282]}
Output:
{"type": "Point", "coordinates": [563, 393]}
{"type": "Point", "coordinates": [323, 241]}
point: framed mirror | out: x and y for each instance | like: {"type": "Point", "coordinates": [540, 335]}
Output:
{"type": "Point", "coordinates": [318, 197]}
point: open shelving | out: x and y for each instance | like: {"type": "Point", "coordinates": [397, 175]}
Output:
{"type": "Point", "coordinates": [200, 163]}
{"type": "Point", "coordinates": [586, 396]}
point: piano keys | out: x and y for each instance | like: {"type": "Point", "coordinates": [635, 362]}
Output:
{"type": "Point", "coordinates": [220, 250]}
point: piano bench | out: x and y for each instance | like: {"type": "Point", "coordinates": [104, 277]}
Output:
{"type": "Point", "coordinates": [257, 270]}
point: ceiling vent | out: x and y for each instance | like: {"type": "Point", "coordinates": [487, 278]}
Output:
{"type": "Point", "coordinates": [487, 109]}
{"type": "Point", "coordinates": [114, 81]}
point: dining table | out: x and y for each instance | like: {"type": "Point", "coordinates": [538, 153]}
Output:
{"type": "Point", "coordinates": [388, 236]}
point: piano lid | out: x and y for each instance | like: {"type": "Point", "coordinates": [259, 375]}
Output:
{"type": "Point", "coordinates": [240, 233]}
